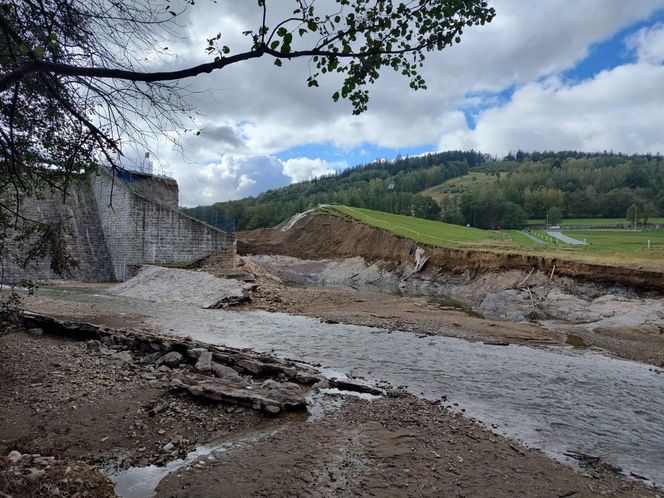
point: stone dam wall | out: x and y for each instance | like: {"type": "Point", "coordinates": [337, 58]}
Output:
{"type": "Point", "coordinates": [111, 227]}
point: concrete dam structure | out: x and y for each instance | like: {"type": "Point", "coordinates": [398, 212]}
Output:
{"type": "Point", "coordinates": [113, 223]}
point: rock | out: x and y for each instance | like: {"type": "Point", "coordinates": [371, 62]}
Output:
{"type": "Point", "coordinates": [150, 358]}
{"type": "Point", "coordinates": [45, 460]}
{"type": "Point", "coordinates": [204, 363]}
{"type": "Point", "coordinates": [172, 359]}
{"type": "Point", "coordinates": [93, 345]}
{"type": "Point", "coordinates": [168, 447]}
{"type": "Point", "coordinates": [252, 366]}
{"type": "Point", "coordinates": [35, 474]}
{"type": "Point", "coordinates": [164, 368]}
{"type": "Point", "coordinates": [157, 409]}
{"type": "Point", "coordinates": [270, 399]}
{"type": "Point", "coordinates": [307, 378]}
{"type": "Point", "coordinates": [348, 385]}
{"type": "Point", "coordinates": [286, 392]}
{"type": "Point", "coordinates": [196, 353]}
{"type": "Point", "coordinates": [36, 331]}
{"type": "Point", "coordinates": [123, 356]}
{"type": "Point", "coordinates": [226, 373]}
{"type": "Point", "coordinates": [14, 457]}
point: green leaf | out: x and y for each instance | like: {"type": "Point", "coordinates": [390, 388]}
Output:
{"type": "Point", "coordinates": [335, 96]}
{"type": "Point", "coordinates": [312, 26]}
{"type": "Point", "coordinates": [39, 52]}
{"type": "Point", "coordinates": [274, 44]}
{"type": "Point", "coordinates": [277, 62]}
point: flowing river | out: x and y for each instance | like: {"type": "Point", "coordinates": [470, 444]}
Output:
{"type": "Point", "coordinates": [556, 399]}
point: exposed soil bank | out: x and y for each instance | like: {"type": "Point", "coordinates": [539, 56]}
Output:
{"type": "Point", "coordinates": [391, 447]}
{"type": "Point", "coordinates": [523, 298]}
{"type": "Point", "coordinates": [329, 236]}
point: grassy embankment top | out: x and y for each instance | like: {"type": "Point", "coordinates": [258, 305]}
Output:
{"type": "Point", "coordinates": [610, 247]}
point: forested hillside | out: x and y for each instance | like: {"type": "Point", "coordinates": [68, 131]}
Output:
{"type": "Point", "coordinates": [562, 185]}
{"type": "Point", "coordinates": [553, 185]}
{"type": "Point", "coordinates": [381, 185]}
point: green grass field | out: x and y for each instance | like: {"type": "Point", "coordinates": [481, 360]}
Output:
{"type": "Point", "coordinates": [457, 186]}
{"type": "Point", "coordinates": [612, 247]}
{"type": "Point", "coordinates": [596, 221]}
{"type": "Point", "coordinates": [426, 231]}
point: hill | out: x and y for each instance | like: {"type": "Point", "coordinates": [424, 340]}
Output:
{"type": "Point", "coordinates": [382, 185]}
{"type": "Point", "coordinates": [558, 186]}
{"type": "Point", "coordinates": [469, 188]}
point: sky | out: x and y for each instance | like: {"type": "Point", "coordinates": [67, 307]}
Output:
{"type": "Point", "coordinates": [547, 75]}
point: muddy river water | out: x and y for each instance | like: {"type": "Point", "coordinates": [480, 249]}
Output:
{"type": "Point", "coordinates": [556, 399]}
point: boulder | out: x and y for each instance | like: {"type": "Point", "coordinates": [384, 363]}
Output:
{"type": "Point", "coordinates": [150, 358]}
{"type": "Point", "coordinates": [267, 397]}
{"type": "Point", "coordinates": [196, 353]}
{"type": "Point", "coordinates": [226, 373]}
{"type": "Point", "coordinates": [172, 359]}
{"type": "Point", "coordinates": [251, 366]}
{"type": "Point", "coordinates": [204, 363]}
{"type": "Point", "coordinates": [14, 457]}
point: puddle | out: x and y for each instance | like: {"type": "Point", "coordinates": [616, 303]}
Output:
{"type": "Point", "coordinates": [560, 400]}
{"type": "Point", "coordinates": [141, 482]}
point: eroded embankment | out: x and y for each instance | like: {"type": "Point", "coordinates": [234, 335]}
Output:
{"type": "Point", "coordinates": [330, 236]}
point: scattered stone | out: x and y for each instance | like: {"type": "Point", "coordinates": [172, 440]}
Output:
{"type": "Point", "coordinates": [307, 378]}
{"type": "Point", "coordinates": [35, 474]}
{"type": "Point", "coordinates": [172, 359]}
{"type": "Point", "coordinates": [14, 457]}
{"type": "Point", "coordinates": [268, 398]}
{"type": "Point", "coordinates": [226, 373]}
{"type": "Point", "coordinates": [93, 345]}
{"type": "Point", "coordinates": [151, 358]}
{"type": "Point", "coordinates": [282, 390]}
{"type": "Point", "coordinates": [157, 409]}
{"type": "Point", "coordinates": [123, 356]}
{"type": "Point", "coordinates": [36, 331]}
{"type": "Point", "coordinates": [196, 353]}
{"type": "Point", "coordinates": [168, 447]}
{"type": "Point", "coordinates": [347, 385]}
{"type": "Point", "coordinates": [204, 363]}
{"type": "Point", "coordinates": [252, 366]}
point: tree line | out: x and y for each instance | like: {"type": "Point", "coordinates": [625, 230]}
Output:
{"type": "Point", "coordinates": [564, 185]}
{"type": "Point", "coordinates": [390, 186]}
{"type": "Point", "coordinates": [539, 185]}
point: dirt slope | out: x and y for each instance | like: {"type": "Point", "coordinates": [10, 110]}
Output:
{"type": "Point", "coordinates": [329, 236]}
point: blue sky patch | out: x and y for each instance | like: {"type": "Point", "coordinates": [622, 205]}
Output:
{"type": "Point", "coordinates": [352, 156]}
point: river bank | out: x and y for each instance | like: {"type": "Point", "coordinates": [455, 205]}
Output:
{"type": "Point", "coordinates": [105, 414]}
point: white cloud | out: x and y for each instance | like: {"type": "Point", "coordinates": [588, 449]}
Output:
{"type": "Point", "coordinates": [252, 111]}
{"type": "Point", "coordinates": [236, 176]}
{"type": "Point", "coordinates": [303, 168]}
{"type": "Point", "coordinates": [649, 44]}
{"type": "Point", "coordinates": [619, 109]}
